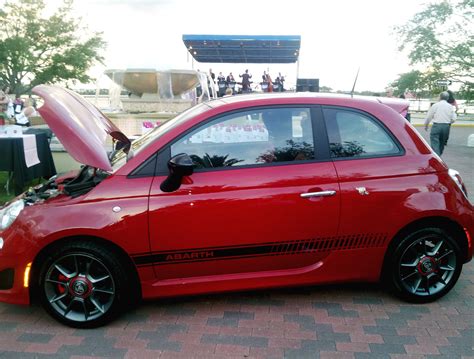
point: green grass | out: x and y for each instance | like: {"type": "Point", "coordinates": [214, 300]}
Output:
{"type": "Point", "coordinates": [4, 197]}
{"type": "Point", "coordinates": [63, 163]}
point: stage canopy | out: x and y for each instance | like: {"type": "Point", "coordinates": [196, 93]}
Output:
{"type": "Point", "coordinates": [243, 48]}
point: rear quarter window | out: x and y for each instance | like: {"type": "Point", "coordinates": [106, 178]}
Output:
{"type": "Point", "coordinates": [354, 134]}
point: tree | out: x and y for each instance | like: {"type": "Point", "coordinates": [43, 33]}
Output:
{"type": "Point", "coordinates": [466, 92]}
{"type": "Point", "coordinates": [421, 83]}
{"type": "Point", "coordinates": [409, 81]}
{"type": "Point", "coordinates": [35, 49]}
{"type": "Point", "coordinates": [325, 89]}
{"type": "Point", "coordinates": [441, 37]}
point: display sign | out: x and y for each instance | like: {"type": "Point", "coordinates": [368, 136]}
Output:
{"type": "Point", "coordinates": [444, 82]}
{"type": "Point", "coordinates": [231, 134]}
{"type": "Point", "coordinates": [149, 125]}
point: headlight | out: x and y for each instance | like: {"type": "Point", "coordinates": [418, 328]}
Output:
{"type": "Point", "coordinates": [10, 212]}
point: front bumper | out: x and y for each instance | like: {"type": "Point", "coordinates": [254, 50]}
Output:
{"type": "Point", "coordinates": [12, 288]}
{"type": "Point", "coordinates": [15, 256]}
{"type": "Point", "coordinates": [6, 278]}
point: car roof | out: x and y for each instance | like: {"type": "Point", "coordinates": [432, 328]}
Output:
{"type": "Point", "coordinates": [397, 104]}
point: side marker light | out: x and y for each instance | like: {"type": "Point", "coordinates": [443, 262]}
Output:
{"type": "Point", "coordinates": [26, 276]}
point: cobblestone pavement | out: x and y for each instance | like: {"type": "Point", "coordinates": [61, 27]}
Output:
{"type": "Point", "coordinates": [338, 321]}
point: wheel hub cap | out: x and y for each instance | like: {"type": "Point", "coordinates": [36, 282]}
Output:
{"type": "Point", "coordinates": [426, 266]}
{"type": "Point", "coordinates": [80, 287]}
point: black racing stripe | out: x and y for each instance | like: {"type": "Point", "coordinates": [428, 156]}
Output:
{"type": "Point", "coordinates": [199, 255]}
{"type": "Point", "coordinates": [264, 249]}
{"type": "Point", "coordinates": [212, 248]}
{"type": "Point", "coordinates": [199, 260]}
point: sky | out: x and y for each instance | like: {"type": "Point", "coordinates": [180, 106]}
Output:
{"type": "Point", "coordinates": [337, 36]}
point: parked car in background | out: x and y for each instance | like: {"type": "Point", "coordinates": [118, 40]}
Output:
{"type": "Point", "coordinates": [243, 192]}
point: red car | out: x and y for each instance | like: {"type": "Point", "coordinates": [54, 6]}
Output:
{"type": "Point", "coordinates": [252, 191]}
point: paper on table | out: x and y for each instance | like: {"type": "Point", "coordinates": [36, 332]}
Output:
{"type": "Point", "coordinates": [13, 131]}
{"type": "Point", "coordinates": [31, 152]}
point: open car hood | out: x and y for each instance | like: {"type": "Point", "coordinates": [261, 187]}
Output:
{"type": "Point", "coordinates": [80, 126]}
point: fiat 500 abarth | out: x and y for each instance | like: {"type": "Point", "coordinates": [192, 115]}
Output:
{"type": "Point", "coordinates": [243, 192]}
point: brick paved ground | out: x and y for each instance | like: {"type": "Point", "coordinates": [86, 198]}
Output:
{"type": "Point", "coordinates": [339, 321]}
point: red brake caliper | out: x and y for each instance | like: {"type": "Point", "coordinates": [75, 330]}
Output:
{"type": "Point", "coordinates": [62, 278]}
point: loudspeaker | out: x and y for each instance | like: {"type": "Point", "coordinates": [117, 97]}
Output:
{"type": "Point", "coordinates": [307, 85]}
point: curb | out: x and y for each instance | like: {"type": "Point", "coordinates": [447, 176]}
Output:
{"type": "Point", "coordinates": [453, 125]}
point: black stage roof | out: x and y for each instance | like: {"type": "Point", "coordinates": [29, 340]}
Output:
{"type": "Point", "coordinates": [243, 48]}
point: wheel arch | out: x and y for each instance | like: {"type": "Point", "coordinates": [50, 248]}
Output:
{"type": "Point", "coordinates": [123, 256]}
{"type": "Point", "coordinates": [447, 224]}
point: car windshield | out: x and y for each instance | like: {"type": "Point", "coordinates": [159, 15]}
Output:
{"type": "Point", "coordinates": [120, 157]}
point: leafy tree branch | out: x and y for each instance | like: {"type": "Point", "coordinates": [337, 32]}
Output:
{"type": "Point", "coordinates": [36, 49]}
{"type": "Point", "coordinates": [441, 37]}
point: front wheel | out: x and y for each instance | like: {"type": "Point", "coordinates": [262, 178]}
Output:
{"type": "Point", "coordinates": [425, 265]}
{"type": "Point", "coordinates": [82, 285]}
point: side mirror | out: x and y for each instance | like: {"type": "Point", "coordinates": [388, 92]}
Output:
{"type": "Point", "coordinates": [179, 166]}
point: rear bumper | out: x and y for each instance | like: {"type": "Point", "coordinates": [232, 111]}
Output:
{"type": "Point", "coordinates": [468, 227]}
{"type": "Point", "coordinates": [470, 240]}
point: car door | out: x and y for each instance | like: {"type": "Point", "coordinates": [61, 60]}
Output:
{"type": "Point", "coordinates": [374, 176]}
{"type": "Point", "coordinates": [263, 196]}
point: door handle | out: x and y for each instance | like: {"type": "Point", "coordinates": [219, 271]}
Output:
{"type": "Point", "coordinates": [318, 194]}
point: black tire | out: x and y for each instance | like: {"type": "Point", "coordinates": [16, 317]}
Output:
{"type": "Point", "coordinates": [424, 266]}
{"type": "Point", "coordinates": [83, 284]}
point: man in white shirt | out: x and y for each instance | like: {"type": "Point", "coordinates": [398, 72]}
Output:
{"type": "Point", "coordinates": [443, 115]}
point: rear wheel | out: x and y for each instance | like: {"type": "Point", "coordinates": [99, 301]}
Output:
{"type": "Point", "coordinates": [83, 285]}
{"type": "Point", "coordinates": [425, 265]}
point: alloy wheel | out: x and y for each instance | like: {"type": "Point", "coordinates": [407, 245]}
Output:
{"type": "Point", "coordinates": [427, 265]}
{"type": "Point", "coordinates": [79, 287]}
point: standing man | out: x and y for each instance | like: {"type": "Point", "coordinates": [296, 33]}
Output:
{"type": "Point", "coordinates": [213, 75]}
{"type": "Point", "coordinates": [211, 84]}
{"type": "Point", "coordinates": [246, 81]}
{"type": "Point", "coordinates": [282, 82]}
{"type": "Point", "coordinates": [443, 115]}
{"type": "Point", "coordinates": [221, 83]}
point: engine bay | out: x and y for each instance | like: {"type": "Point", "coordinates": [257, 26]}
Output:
{"type": "Point", "coordinates": [86, 179]}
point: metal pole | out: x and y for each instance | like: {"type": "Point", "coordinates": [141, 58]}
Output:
{"type": "Point", "coordinates": [297, 73]}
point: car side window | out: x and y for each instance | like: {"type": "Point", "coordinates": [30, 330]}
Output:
{"type": "Point", "coordinates": [253, 137]}
{"type": "Point", "coordinates": [353, 134]}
